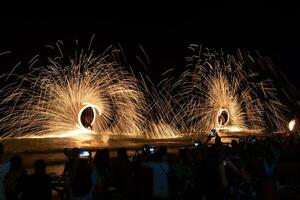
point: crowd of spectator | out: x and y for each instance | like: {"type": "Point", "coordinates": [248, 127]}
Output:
{"type": "Point", "coordinates": [249, 168]}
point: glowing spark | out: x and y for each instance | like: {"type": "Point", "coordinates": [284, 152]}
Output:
{"type": "Point", "coordinates": [216, 83]}
{"type": "Point", "coordinates": [292, 124]}
{"type": "Point", "coordinates": [49, 100]}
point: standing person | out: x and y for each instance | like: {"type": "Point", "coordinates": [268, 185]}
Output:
{"type": "Point", "coordinates": [4, 168]}
{"type": "Point", "coordinates": [15, 178]}
{"type": "Point", "coordinates": [102, 163]}
{"type": "Point", "coordinates": [82, 180]}
{"type": "Point", "coordinates": [38, 185]}
{"type": "Point", "coordinates": [122, 174]}
{"type": "Point", "coordinates": [72, 159]}
{"type": "Point", "coordinates": [222, 120]}
{"type": "Point", "coordinates": [160, 168]}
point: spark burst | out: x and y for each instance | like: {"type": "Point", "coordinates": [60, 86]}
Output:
{"type": "Point", "coordinates": [47, 101]}
{"type": "Point", "coordinates": [161, 116]}
{"type": "Point", "coordinates": [216, 81]}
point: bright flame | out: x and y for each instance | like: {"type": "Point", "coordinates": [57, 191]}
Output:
{"type": "Point", "coordinates": [292, 124]}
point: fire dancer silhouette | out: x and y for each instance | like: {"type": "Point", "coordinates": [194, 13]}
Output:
{"type": "Point", "coordinates": [222, 120]}
{"type": "Point", "coordinates": [87, 118]}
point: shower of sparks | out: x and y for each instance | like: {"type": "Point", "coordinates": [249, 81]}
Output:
{"type": "Point", "coordinates": [47, 101]}
{"type": "Point", "coordinates": [215, 81]}
{"type": "Point", "coordinates": [162, 117]}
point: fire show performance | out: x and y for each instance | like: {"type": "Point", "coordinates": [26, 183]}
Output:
{"type": "Point", "coordinates": [186, 101]}
{"type": "Point", "coordinates": [90, 94]}
{"type": "Point", "coordinates": [226, 92]}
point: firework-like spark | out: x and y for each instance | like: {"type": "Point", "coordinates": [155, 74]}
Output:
{"type": "Point", "coordinates": [217, 86]}
{"type": "Point", "coordinates": [48, 100]}
{"type": "Point", "coordinates": [161, 116]}
{"type": "Point", "coordinates": [219, 91]}
{"type": "Point", "coordinates": [215, 83]}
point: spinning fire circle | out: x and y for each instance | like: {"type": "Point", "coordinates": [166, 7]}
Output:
{"type": "Point", "coordinates": [87, 115]}
{"type": "Point", "coordinates": [222, 117]}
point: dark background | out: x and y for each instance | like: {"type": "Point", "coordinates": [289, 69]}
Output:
{"type": "Point", "coordinates": [163, 31]}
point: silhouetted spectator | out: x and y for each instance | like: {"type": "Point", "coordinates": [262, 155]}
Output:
{"type": "Point", "coordinates": [122, 174]}
{"type": "Point", "coordinates": [72, 156]}
{"type": "Point", "coordinates": [269, 166]}
{"type": "Point", "coordinates": [102, 164]}
{"type": "Point", "coordinates": [160, 169]}
{"type": "Point", "coordinates": [15, 178]}
{"type": "Point", "coordinates": [183, 173]}
{"type": "Point", "coordinates": [82, 180]}
{"type": "Point", "coordinates": [4, 168]}
{"type": "Point", "coordinates": [38, 185]}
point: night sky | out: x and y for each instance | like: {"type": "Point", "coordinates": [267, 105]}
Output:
{"type": "Point", "coordinates": [164, 34]}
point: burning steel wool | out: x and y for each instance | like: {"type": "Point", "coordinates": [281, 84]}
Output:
{"type": "Point", "coordinates": [225, 92]}
{"type": "Point", "coordinates": [88, 94]}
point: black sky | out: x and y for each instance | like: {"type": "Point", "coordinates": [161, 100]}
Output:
{"type": "Point", "coordinates": [164, 33]}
